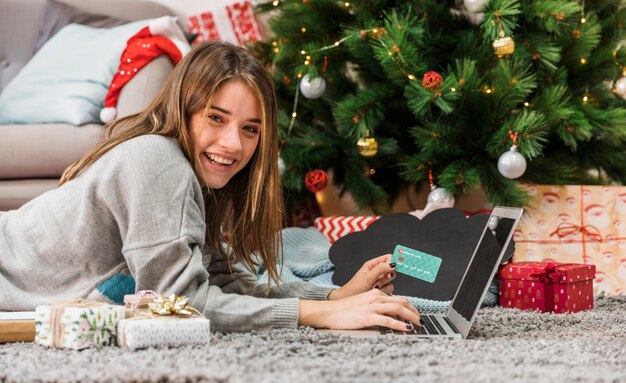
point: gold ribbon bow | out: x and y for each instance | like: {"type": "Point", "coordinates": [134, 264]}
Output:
{"type": "Point", "coordinates": [173, 305]}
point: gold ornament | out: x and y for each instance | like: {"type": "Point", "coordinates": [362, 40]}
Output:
{"type": "Point", "coordinates": [367, 146]}
{"type": "Point", "coordinates": [504, 46]}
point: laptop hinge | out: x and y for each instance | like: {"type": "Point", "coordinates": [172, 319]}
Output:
{"type": "Point", "coordinates": [452, 326]}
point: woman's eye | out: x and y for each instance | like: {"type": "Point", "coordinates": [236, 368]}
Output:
{"type": "Point", "coordinates": [216, 118]}
{"type": "Point", "coordinates": [251, 129]}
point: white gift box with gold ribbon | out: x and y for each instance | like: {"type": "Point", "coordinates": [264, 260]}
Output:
{"type": "Point", "coordinates": [169, 321]}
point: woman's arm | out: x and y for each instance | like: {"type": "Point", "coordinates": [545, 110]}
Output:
{"type": "Point", "coordinates": [243, 281]}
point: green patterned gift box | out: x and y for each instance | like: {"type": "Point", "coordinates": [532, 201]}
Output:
{"type": "Point", "coordinates": [77, 324]}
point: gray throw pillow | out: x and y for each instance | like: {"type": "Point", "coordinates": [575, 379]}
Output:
{"type": "Point", "coordinates": [58, 14]}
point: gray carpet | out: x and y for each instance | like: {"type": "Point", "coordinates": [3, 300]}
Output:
{"type": "Point", "coordinates": [505, 345]}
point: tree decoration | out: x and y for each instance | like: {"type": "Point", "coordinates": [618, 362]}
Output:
{"type": "Point", "coordinates": [505, 45]}
{"type": "Point", "coordinates": [312, 88]}
{"type": "Point", "coordinates": [438, 197]}
{"type": "Point", "coordinates": [432, 80]}
{"type": "Point", "coordinates": [619, 86]}
{"type": "Point", "coordinates": [475, 6]}
{"type": "Point", "coordinates": [316, 180]}
{"type": "Point", "coordinates": [512, 164]}
{"type": "Point", "coordinates": [367, 146]}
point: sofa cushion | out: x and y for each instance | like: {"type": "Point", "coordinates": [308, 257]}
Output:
{"type": "Point", "coordinates": [68, 79]}
{"type": "Point", "coordinates": [44, 150]}
{"type": "Point", "coordinates": [15, 193]}
{"type": "Point", "coordinates": [58, 14]}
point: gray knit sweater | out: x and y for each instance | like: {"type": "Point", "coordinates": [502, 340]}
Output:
{"type": "Point", "coordinates": [137, 211]}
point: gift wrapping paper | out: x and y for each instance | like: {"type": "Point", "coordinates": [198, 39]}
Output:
{"type": "Point", "coordinates": [336, 227]}
{"type": "Point", "coordinates": [547, 287]}
{"type": "Point", "coordinates": [77, 325]}
{"type": "Point", "coordinates": [172, 331]}
{"type": "Point", "coordinates": [577, 224]}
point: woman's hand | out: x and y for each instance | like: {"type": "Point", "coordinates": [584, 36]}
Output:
{"type": "Point", "coordinates": [376, 273]}
{"type": "Point", "coordinates": [372, 308]}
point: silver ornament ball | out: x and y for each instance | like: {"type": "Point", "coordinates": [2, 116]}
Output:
{"type": "Point", "coordinates": [440, 196]}
{"type": "Point", "coordinates": [620, 87]}
{"type": "Point", "coordinates": [512, 164]}
{"type": "Point", "coordinates": [475, 5]}
{"type": "Point", "coordinates": [312, 87]}
{"type": "Point", "coordinates": [281, 166]}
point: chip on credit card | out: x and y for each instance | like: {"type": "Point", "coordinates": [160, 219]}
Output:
{"type": "Point", "coordinates": [415, 263]}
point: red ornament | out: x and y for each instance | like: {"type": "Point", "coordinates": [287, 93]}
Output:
{"type": "Point", "coordinates": [432, 80]}
{"type": "Point", "coordinates": [316, 180]}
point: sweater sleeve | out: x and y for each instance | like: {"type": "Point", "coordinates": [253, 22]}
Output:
{"type": "Point", "coordinates": [242, 281]}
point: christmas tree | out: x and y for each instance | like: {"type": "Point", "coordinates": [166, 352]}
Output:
{"type": "Point", "coordinates": [464, 94]}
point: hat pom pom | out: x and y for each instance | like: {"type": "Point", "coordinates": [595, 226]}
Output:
{"type": "Point", "coordinates": [161, 26]}
{"type": "Point", "coordinates": [108, 114]}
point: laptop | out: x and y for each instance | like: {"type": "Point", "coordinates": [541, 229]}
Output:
{"type": "Point", "coordinates": [457, 321]}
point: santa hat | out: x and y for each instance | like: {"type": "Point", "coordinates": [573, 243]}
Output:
{"type": "Point", "coordinates": [161, 36]}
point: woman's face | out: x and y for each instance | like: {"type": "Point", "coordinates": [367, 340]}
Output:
{"type": "Point", "coordinates": [227, 137]}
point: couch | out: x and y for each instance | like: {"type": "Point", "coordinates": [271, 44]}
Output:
{"type": "Point", "coordinates": [33, 156]}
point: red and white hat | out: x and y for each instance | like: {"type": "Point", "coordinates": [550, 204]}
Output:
{"type": "Point", "coordinates": [161, 36]}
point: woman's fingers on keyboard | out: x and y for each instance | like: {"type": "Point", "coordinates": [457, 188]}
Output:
{"type": "Point", "coordinates": [392, 323]}
{"type": "Point", "coordinates": [395, 309]}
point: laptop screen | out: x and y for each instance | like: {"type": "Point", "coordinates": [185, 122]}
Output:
{"type": "Point", "coordinates": [479, 271]}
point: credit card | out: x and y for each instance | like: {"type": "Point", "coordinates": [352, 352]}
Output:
{"type": "Point", "coordinates": [416, 264]}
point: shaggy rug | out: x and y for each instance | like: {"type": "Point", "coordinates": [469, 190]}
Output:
{"type": "Point", "coordinates": [504, 345]}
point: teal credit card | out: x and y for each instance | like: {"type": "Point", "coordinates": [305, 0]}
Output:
{"type": "Point", "coordinates": [416, 263]}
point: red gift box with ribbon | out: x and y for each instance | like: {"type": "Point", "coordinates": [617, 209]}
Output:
{"type": "Point", "coordinates": [577, 224]}
{"type": "Point", "coordinates": [547, 287]}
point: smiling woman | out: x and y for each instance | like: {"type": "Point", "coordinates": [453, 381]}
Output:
{"type": "Point", "coordinates": [187, 189]}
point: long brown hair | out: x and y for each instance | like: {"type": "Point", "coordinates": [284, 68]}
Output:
{"type": "Point", "coordinates": [250, 206]}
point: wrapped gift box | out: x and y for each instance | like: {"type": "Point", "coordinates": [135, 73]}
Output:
{"type": "Point", "coordinates": [170, 331]}
{"type": "Point", "coordinates": [577, 224]}
{"type": "Point", "coordinates": [336, 227]}
{"type": "Point", "coordinates": [547, 287]}
{"type": "Point", "coordinates": [158, 320]}
{"type": "Point", "coordinates": [77, 324]}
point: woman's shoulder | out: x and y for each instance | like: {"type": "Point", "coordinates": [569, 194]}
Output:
{"type": "Point", "coordinates": [150, 153]}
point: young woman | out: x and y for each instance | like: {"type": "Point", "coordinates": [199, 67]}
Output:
{"type": "Point", "coordinates": [148, 207]}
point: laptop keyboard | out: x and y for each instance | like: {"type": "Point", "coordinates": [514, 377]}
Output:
{"type": "Point", "coordinates": [428, 326]}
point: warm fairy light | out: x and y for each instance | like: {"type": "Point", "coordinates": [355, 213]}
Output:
{"type": "Point", "coordinates": [337, 43]}
{"type": "Point", "coordinates": [346, 4]}
{"type": "Point", "coordinates": [372, 172]}
{"type": "Point", "coordinates": [583, 61]}
{"type": "Point", "coordinates": [375, 30]}
{"type": "Point", "coordinates": [583, 20]}
{"type": "Point", "coordinates": [526, 103]}
{"type": "Point", "coordinates": [275, 43]}
{"type": "Point", "coordinates": [276, 50]}
{"type": "Point", "coordinates": [275, 3]}
{"type": "Point", "coordinates": [389, 53]}
{"type": "Point", "coordinates": [306, 62]}
{"type": "Point", "coordinates": [299, 75]}
{"type": "Point", "coordinates": [308, 57]}
{"type": "Point", "coordinates": [453, 89]}
{"type": "Point", "coordinates": [302, 52]}
{"type": "Point", "coordinates": [294, 114]}
{"type": "Point", "coordinates": [303, 29]}
{"type": "Point", "coordinates": [585, 99]}
{"type": "Point", "coordinates": [411, 77]}
{"type": "Point", "coordinates": [488, 90]}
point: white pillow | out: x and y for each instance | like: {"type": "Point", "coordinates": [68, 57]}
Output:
{"type": "Point", "coordinates": [68, 78]}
